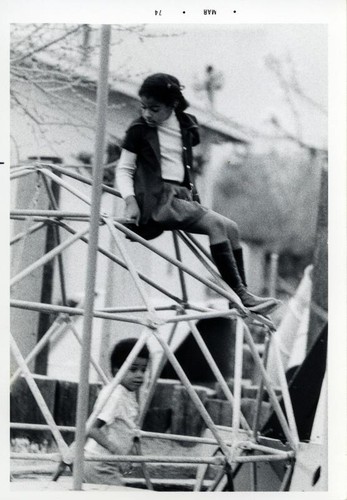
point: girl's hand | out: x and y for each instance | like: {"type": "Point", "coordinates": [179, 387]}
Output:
{"type": "Point", "coordinates": [132, 211]}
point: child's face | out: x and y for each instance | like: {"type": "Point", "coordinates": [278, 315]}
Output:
{"type": "Point", "coordinates": [154, 112]}
{"type": "Point", "coordinates": [134, 378]}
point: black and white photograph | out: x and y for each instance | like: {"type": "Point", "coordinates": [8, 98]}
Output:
{"type": "Point", "coordinates": [169, 256]}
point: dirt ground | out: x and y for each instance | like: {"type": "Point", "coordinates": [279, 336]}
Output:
{"type": "Point", "coordinates": [37, 473]}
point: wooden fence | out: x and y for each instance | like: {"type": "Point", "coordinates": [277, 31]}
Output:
{"type": "Point", "coordinates": [171, 409]}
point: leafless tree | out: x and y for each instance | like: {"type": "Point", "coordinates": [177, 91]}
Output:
{"type": "Point", "coordinates": [53, 68]}
{"type": "Point", "coordinates": [296, 98]}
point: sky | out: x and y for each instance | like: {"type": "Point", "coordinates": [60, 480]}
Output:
{"type": "Point", "coordinates": [251, 91]}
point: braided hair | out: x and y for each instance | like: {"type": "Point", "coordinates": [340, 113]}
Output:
{"type": "Point", "coordinates": [164, 88]}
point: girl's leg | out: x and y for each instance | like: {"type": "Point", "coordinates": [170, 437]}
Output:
{"type": "Point", "coordinates": [227, 255]}
{"type": "Point", "coordinates": [217, 228]}
{"type": "Point", "coordinates": [232, 231]}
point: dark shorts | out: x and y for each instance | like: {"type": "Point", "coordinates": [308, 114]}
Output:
{"type": "Point", "coordinates": [175, 210]}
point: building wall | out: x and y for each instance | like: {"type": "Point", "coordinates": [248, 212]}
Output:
{"type": "Point", "coordinates": [26, 192]}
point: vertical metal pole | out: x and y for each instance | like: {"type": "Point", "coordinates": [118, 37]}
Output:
{"type": "Point", "coordinates": [255, 424]}
{"type": "Point", "coordinates": [237, 380]}
{"type": "Point", "coordinates": [273, 274]}
{"type": "Point", "coordinates": [180, 272]}
{"type": "Point", "coordinates": [287, 476]}
{"type": "Point", "coordinates": [108, 326]}
{"type": "Point", "coordinates": [145, 472]}
{"type": "Point", "coordinates": [253, 476]}
{"type": "Point", "coordinates": [83, 388]}
{"type": "Point", "coordinates": [260, 393]}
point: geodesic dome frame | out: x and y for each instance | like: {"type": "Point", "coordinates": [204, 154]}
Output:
{"type": "Point", "coordinates": [242, 443]}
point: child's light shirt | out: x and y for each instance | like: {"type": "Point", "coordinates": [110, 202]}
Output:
{"type": "Point", "coordinates": [120, 414]}
{"type": "Point", "coordinates": [170, 141]}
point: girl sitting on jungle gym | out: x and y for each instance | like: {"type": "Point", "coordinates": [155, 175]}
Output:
{"type": "Point", "coordinates": [154, 178]}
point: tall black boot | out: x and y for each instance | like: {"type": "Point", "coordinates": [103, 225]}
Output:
{"type": "Point", "coordinates": [238, 255]}
{"type": "Point", "coordinates": [225, 261]}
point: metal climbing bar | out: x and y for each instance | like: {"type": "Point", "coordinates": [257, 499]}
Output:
{"type": "Point", "coordinates": [271, 392]}
{"type": "Point", "coordinates": [47, 257]}
{"type": "Point", "coordinates": [118, 261]}
{"type": "Point", "coordinates": [56, 327]}
{"type": "Point", "coordinates": [130, 267]}
{"type": "Point", "coordinates": [285, 393]}
{"type": "Point", "coordinates": [82, 396]}
{"type": "Point", "coordinates": [180, 271]}
{"type": "Point", "coordinates": [238, 447]}
{"type": "Point", "coordinates": [68, 186]}
{"type": "Point", "coordinates": [73, 311]}
{"type": "Point", "coordinates": [237, 381]}
{"type": "Point", "coordinates": [193, 395]}
{"type": "Point", "coordinates": [260, 392]}
{"type": "Point", "coordinates": [217, 373]}
{"type": "Point", "coordinates": [153, 383]}
{"type": "Point", "coordinates": [44, 214]}
{"type": "Point", "coordinates": [22, 172]}
{"type": "Point", "coordinates": [228, 295]}
{"type": "Point", "coordinates": [56, 232]}
{"type": "Point", "coordinates": [103, 377]}
{"type": "Point", "coordinates": [24, 234]}
{"type": "Point", "coordinates": [63, 448]}
{"type": "Point", "coordinates": [74, 175]}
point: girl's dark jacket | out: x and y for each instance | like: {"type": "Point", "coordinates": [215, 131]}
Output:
{"type": "Point", "coordinates": [142, 140]}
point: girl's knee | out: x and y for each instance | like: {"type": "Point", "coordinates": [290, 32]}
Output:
{"type": "Point", "coordinates": [217, 226]}
{"type": "Point", "coordinates": [233, 228]}
{"type": "Point", "coordinates": [208, 224]}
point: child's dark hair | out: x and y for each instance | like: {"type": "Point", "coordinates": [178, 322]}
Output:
{"type": "Point", "coordinates": [164, 88]}
{"type": "Point", "coordinates": [121, 351]}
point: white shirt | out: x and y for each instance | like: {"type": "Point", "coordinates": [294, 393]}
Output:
{"type": "Point", "coordinates": [120, 415]}
{"type": "Point", "coordinates": [170, 142]}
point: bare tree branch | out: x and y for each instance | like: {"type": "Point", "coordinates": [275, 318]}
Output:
{"type": "Point", "coordinates": [275, 66]}
{"type": "Point", "coordinates": [24, 108]}
{"type": "Point", "coordinates": [48, 44]}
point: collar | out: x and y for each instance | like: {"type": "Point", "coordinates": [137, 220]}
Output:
{"type": "Point", "coordinates": [186, 120]}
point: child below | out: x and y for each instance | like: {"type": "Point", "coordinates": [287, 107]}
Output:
{"type": "Point", "coordinates": [114, 429]}
{"type": "Point", "coordinates": [155, 179]}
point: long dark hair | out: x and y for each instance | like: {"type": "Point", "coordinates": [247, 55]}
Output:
{"type": "Point", "coordinates": [164, 88]}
